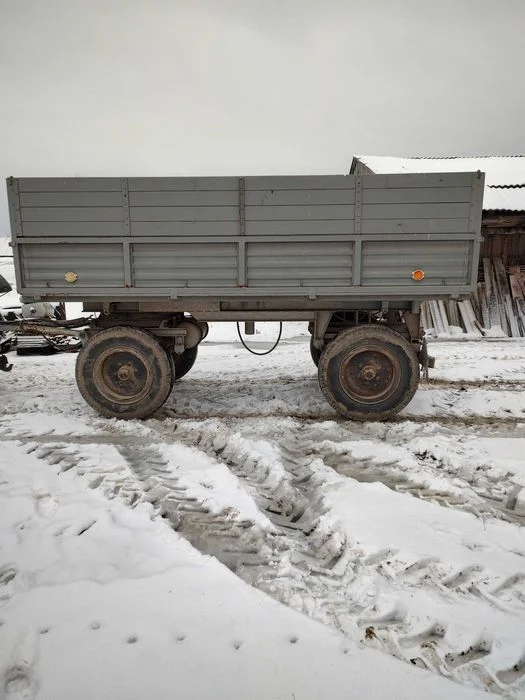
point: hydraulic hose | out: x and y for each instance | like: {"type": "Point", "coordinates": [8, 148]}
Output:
{"type": "Point", "coordinates": [267, 352]}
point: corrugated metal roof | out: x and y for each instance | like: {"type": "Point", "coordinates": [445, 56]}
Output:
{"type": "Point", "coordinates": [504, 198]}
{"type": "Point", "coordinates": [504, 175]}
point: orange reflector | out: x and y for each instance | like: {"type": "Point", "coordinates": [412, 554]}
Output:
{"type": "Point", "coordinates": [418, 275]}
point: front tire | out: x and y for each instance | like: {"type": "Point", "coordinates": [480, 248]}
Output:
{"type": "Point", "coordinates": [368, 373]}
{"type": "Point", "coordinates": [123, 372]}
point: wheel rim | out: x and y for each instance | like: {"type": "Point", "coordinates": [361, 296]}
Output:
{"type": "Point", "coordinates": [122, 375]}
{"type": "Point", "coordinates": [369, 374]}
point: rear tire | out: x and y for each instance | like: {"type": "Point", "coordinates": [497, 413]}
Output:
{"type": "Point", "coordinates": [171, 360]}
{"type": "Point", "coordinates": [368, 373]}
{"type": "Point", "coordinates": [185, 361]}
{"type": "Point", "coordinates": [123, 372]}
{"type": "Point", "coordinates": [315, 352]}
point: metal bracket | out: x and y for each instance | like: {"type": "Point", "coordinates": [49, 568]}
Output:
{"type": "Point", "coordinates": [475, 220]}
{"type": "Point", "coordinates": [128, 268]}
{"type": "Point", "coordinates": [357, 252]}
{"type": "Point", "coordinates": [413, 324]}
{"type": "Point", "coordinates": [358, 203]}
{"type": "Point", "coordinates": [126, 228]}
{"type": "Point", "coordinates": [241, 262]}
{"type": "Point", "coordinates": [321, 322]}
{"type": "Point", "coordinates": [242, 198]}
{"type": "Point", "coordinates": [174, 337]}
{"type": "Point", "coordinates": [14, 206]}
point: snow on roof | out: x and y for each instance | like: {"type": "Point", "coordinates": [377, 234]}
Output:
{"type": "Point", "coordinates": [504, 198]}
{"type": "Point", "coordinates": [504, 175]}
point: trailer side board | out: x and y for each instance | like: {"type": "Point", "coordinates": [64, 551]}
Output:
{"type": "Point", "coordinates": [303, 236]}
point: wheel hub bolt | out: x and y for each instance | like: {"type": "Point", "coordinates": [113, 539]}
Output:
{"type": "Point", "coordinates": [124, 373]}
{"type": "Point", "coordinates": [369, 372]}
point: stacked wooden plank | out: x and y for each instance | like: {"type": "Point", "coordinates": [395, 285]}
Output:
{"type": "Point", "coordinates": [497, 308]}
{"type": "Point", "coordinates": [517, 290]}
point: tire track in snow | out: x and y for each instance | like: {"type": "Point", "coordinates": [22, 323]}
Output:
{"type": "Point", "coordinates": [478, 492]}
{"type": "Point", "coordinates": [452, 421]}
{"type": "Point", "coordinates": [333, 565]}
{"type": "Point", "coordinates": [465, 384]}
{"type": "Point", "coordinates": [456, 403]}
{"type": "Point", "coordinates": [145, 476]}
{"type": "Point", "coordinates": [301, 564]}
{"type": "Point", "coordinates": [432, 382]}
{"type": "Point", "coordinates": [480, 488]}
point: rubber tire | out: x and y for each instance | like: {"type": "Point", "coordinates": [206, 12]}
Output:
{"type": "Point", "coordinates": [336, 351]}
{"type": "Point", "coordinates": [315, 352]}
{"type": "Point", "coordinates": [142, 343]}
{"type": "Point", "coordinates": [171, 360]}
{"type": "Point", "coordinates": [184, 362]}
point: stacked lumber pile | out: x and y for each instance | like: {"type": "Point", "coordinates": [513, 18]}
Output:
{"type": "Point", "coordinates": [496, 309]}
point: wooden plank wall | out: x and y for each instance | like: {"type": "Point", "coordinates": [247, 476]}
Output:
{"type": "Point", "coordinates": [509, 245]}
{"type": "Point", "coordinates": [497, 308]}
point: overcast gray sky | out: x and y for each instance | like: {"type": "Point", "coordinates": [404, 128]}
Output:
{"type": "Point", "coordinates": [156, 87]}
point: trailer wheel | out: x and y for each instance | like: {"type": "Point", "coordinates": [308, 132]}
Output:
{"type": "Point", "coordinates": [368, 373]}
{"type": "Point", "coordinates": [124, 372]}
{"type": "Point", "coordinates": [315, 352]}
{"type": "Point", "coordinates": [185, 361]}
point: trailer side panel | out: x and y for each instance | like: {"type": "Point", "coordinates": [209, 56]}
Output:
{"type": "Point", "coordinates": [303, 237]}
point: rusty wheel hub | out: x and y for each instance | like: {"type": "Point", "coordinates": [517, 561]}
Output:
{"type": "Point", "coordinates": [126, 373]}
{"type": "Point", "coordinates": [369, 374]}
{"type": "Point", "coordinates": [122, 375]}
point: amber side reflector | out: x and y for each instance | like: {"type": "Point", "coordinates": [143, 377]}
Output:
{"type": "Point", "coordinates": [71, 277]}
{"type": "Point", "coordinates": [418, 275]}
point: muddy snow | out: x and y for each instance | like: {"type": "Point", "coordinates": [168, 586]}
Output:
{"type": "Point", "coordinates": [248, 542]}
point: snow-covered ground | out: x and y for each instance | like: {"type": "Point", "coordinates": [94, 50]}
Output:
{"type": "Point", "coordinates": [246, 542]}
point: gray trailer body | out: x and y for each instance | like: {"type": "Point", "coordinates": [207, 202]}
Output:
{"type": "Point", "coordinates": [223, 245]}
{"type": "Point", "coordinates": [159, 257]}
